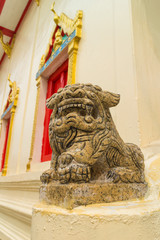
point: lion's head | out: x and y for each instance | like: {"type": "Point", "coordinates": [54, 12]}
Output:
{"type": "Point", "coordinates": [81, 106]}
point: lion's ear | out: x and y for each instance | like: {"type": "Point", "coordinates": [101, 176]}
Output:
{"type": "Point", "coordinates": [110, 99]}
{"type": "Point", "coordinates": [50, 102]}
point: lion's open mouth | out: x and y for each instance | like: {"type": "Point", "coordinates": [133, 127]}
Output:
{"type": "Point", "coordinates": [76, 104]}
{"type": "Point", "coordinates": [88, 108]}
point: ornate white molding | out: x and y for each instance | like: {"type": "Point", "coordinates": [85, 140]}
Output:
{"type": "Point", "coordinates": [17, 198]}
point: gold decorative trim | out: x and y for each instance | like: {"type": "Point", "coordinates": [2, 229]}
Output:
{"type": "Point", "coordinates": [6, 46]}
{"type": "Point", "coordinates": [43, 58]}
{"type": "Point", "coordinates": [72, 52]}
{"type": "Point", "coordinates": [37, 1]}
{"type": "Point", "coordinates": [69, 25]}
{"type": "Point", "coordinates": [34, 126]}
{"type": "Point", "coordinates": [13, 98]}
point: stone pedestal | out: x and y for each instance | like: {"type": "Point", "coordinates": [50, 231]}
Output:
{"type": "Point", "coordinates": [73, 194]}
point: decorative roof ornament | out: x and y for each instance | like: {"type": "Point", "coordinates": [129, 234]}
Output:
{"type": "Point", "coordinates": [6, 46]}
{"type": "Point", "coordinates": [67, 24]}
{"type": "Point", "coordinates": [68, 32]}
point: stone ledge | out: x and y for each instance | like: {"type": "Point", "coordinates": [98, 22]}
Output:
{"type": "Point", "coordinates": [20, 210]}
{"type": "Point", "coordinates": [72, 195]}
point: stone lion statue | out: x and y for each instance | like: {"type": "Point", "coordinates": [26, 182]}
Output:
{"type": "Point", "coordinates": [85, 143]}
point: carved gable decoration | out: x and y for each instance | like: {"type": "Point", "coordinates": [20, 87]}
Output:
{"type": "Point", "coordinates": [56, 40]}
{"type": "Point", "coordinates": [63, 44]}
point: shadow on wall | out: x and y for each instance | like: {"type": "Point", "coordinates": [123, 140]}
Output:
{"type": "Point", "coordinates": [153, 21]}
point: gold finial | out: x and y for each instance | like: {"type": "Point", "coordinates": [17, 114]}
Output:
{"type": "Point", "coordinates": [56, 17]}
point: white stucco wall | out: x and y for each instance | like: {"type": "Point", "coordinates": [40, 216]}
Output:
{"type": "Point", "coordinates": [146, 33]}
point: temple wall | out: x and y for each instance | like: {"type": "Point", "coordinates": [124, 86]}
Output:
{"type": "Point", "coordinates": [119, 51]}
{"type": "Point", "coordinates": [147, 66]}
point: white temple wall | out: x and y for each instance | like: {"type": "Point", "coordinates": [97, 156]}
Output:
{"type": "Point", "coordinates": [146, 25]}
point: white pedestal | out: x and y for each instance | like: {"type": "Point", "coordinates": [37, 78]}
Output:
{"type": "Point", "coordinates": [134, 220]}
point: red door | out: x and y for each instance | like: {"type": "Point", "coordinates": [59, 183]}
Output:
{"type": "Point", "coordinates": [57, 80]}
{"type": "Point", "coordinates": [5, 144]}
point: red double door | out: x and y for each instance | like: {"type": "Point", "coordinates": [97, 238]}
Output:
{"type": "Point", "coordinates": [57, 80]}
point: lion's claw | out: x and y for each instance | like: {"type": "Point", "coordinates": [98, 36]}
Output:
{"type": "Point", "coordinates": [47, 176]}
{"type": "Point", "coordinates": [74, 172]}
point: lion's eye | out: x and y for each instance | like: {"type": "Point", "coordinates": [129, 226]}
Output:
{"type": "Point", "coordinates": [80, 94]}
{"type": "Point", "coordinates": [68, 95]}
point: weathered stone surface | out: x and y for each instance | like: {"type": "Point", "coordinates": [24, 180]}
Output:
{"type": "Point", "coordinates": [73, 194]}
{"type": "Point", "coordinates": [88, 150]}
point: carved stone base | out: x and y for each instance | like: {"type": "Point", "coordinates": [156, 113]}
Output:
{"type": "Point", "coordinates": [72, 195]}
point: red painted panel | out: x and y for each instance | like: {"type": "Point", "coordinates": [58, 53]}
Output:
{"type": "Point", "coordinates": [5, 144]}
{"type": "Point", "coordinates": [18, 25]}
{"type": "Point", "coordinates": [56, 81]}
{"type": "Point", "coordinates": [2, 2]}
{"type": "Point", "coordinates": [7, 31]}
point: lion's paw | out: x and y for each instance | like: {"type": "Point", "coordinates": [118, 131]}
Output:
{"type": "Point", "coordinates": [71, 171]}
{"type": "Point", "coordinates": [113, 176]}
{"type": "Point", "coordinates": [47, 176]}
{"type": "Point", "coordinates": [124, 175]}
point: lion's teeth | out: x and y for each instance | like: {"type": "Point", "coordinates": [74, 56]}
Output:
{"type": "Point", "coordinates": [83, 106]}
{"type": "Point", "coordinates": [59, 110]}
